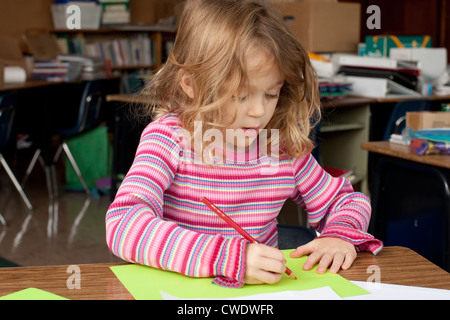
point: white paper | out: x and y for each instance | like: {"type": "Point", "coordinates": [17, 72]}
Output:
{"type": "Point", "coordinates": [384, 291]}
{"type": "Point", "coordinates": [323, 293]}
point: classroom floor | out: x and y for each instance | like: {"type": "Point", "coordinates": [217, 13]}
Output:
{"type": "Point", "coordinates": [68, 231]}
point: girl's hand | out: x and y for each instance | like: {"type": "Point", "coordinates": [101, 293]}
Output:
{"type": "Point", "coordinates": [263, 264]}
{"type": "Point", "coordinates": [327, 251]}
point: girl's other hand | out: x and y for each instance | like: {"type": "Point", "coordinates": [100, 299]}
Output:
{"type": "Point", "coordinates": [333, 252]}
{"type": "Point", "coordinates": [263, 264]}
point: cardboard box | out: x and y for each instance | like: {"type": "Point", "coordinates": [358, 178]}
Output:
{"type": "Point", "coordinates": [379, 46]}
{"type": "Point", "coordinates": [43, 46]}
{"type": "Point", "coordinates": [428, 120]}
{"type": "Point", "coordinates": [323, 26]}
{"type": "Point", "coordinates": [10, 54]}
{"type": "Point", "coordinates": [148, 12]}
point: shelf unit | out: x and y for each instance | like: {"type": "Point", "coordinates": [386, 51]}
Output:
{"type": "Point", "coordinates": [342, 131]}
{"type": "Point", "coordinates": [122, 45]}
{"type": "Point", "coordinates": [345, 125]}
{"type": "Point", "coordinates": [160, 38]}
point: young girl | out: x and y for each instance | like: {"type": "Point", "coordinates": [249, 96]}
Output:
{"type": "Point", "coordinates": [235, 71]}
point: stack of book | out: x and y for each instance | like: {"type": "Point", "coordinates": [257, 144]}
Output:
{"type": "Point", "coordinates": [340, 172]}
{"type": "Point", "coordinates": [333, 89]}
{"type": "Point", "coordinates": [379, 77]}
{"type": "Point", "coordinates": [50, 70]}
{"type": "Point", "coordinates": [91, 68]}
{"type": "Point", "coordinates": [330, 86]}
{"type": "Point", "coordinates": [115, 12]}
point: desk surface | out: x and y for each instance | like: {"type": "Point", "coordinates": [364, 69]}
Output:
{"type": "Point", "coordinates": [403, 152]}
{"type": "Point", "coordinates": [397, 265]}
{"type": "Point", "coordinates": [338, 103]}
{"type": "Point", "coordinates": [128, 98]}
{"type": "Point", "coordinates": [27, 85]}
{"type": "Point", "coordinates": [30, 84]}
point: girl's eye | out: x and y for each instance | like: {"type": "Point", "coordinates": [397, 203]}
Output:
{"type": "Point", "coordinates": [272, 96]}
{"type": "Point", "coordinates": [240, 99]}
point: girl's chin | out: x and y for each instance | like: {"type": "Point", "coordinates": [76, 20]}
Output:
{"type": "Point", "coordinates": [243, 142]}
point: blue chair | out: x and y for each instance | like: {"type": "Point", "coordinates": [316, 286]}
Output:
{"type": "Point", "coordinates": [291, 237]}
{"type": "Point", "coordinates": [88, 118]}
{"type": "Point", "coordinates": [396, 122]}
{"type": "Point", "coordinates": [8, 104]}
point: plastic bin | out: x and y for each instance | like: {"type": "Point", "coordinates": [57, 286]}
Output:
{"type": "Point", "coordinates": [90, 16]}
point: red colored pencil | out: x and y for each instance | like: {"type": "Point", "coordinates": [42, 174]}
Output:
{"type": "Point", "coordinates": [236, 227]}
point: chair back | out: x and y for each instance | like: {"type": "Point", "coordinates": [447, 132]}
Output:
{"type": "Point", "coordinates": [396, 121]}
{"type": "Point", "coordinates": [90, 107]}
{"type": "Point", "coordinates": [8, 103]}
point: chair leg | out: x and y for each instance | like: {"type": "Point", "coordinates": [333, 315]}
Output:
{"type": "Point", "coordinates": [75, 167]}
{"type": "Point", "coordinates": [31, 167]}
{"type": "Point", "coordinates": [15, 182]}
{"type": "Point", "coordinates": [48, 174]}
{"type": "Point", "coordinates": [3, 221]}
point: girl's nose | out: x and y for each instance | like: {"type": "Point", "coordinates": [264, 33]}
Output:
{"type": "Point", "coordinates": [256, 108]}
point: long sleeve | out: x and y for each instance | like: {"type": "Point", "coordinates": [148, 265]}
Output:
{"type": "Point", "coordinates": [334, 209]}
{"type": "Point", "coordinates": [136, 230]}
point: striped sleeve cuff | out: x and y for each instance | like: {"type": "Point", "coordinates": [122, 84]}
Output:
{"type": "Point", "coordinates": [230, 263]}
{"type": "Point", "coordinates": [363, 241]}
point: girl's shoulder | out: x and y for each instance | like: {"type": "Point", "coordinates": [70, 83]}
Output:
{"type": "Point", "coordinates": [168, 125]}
{"type": "Point", "coordinates": [170, 119]}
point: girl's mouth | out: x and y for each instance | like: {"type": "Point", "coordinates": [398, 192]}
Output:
{"type": "Point", "coordinates": [251, 132]}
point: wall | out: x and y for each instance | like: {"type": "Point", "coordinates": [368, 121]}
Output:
{"type": "Point", "coordinates": [410, 17]}
{"type": "Point", "coordinates": [17, 16]}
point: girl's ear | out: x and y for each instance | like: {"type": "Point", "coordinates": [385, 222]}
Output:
{"type": "Point", "coordinates": [186, 84]}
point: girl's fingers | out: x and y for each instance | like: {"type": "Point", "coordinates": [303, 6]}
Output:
{"type": "Point", "coordinates": [302, 251]}
{"type": "Point", "coordinates": [337, 262]}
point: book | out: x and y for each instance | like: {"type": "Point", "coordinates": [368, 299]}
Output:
{"type": "Point", "coordinates": [330, 89]}
{"type": "Point", "coordinates": [378, 88]}
{"type": "Point", "coordinates": [357, 61]}
{"type": "Point", "coordinates": [339, 172]}
{"type": "Point", "coordinates": [134, 50]}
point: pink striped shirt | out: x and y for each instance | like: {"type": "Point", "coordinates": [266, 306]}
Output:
{"type": "Point", "coordinates": [157, 218]}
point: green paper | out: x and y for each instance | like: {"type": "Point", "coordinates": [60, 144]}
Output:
{"type": "Point", "coordinates": [145, 283]}
{"type": "Point", "coordinates": [32, 294]}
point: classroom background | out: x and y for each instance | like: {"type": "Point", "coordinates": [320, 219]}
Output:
{"type": "Point", "coordinates": [66, 96]}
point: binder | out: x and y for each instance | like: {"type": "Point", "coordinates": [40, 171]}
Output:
{"type": "Point", "coordinates": [378, 88]}
{"type": "Point", "coordinates": [407, 80]}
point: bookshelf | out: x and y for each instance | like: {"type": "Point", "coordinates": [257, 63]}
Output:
{"type": "Point", "coordinates": [343, 129]}
{"type": "Point", "coordinates": [134, 51]}
{"type": "Point", "coordinates": [345, 125]}
{"type": "Point", "coordinates": [128, 48]}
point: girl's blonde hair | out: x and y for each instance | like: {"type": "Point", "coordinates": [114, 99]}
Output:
{"type": "Point", "coordinates": [211, 46]}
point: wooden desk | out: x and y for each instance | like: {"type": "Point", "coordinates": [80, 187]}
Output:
{"type": "Point", "coordinates": [127, 98]}
{"type": "Point", "coordinates": [397, 265]}
{"type": "Point", "coordinates": [30, 84]}
{"type": "Point", "coordinates": [403, 152]}
{"type": "Point", "coordinates": [410, 200]}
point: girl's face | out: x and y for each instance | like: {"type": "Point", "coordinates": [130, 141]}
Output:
{"type": "Point", "coordinates": [255, 104]}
